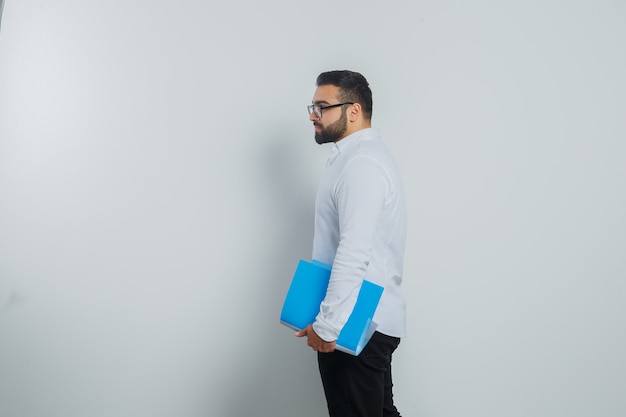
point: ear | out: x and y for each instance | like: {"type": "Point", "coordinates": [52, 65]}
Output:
{"type": "Point", "coordinates": [355, 113]}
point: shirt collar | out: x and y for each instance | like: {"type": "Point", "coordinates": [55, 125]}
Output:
{"type": "Point", "coordinates": [348, 141]}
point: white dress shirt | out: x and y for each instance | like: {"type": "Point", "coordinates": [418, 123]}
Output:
{"type": "Point", "coordinates": [360, 229]}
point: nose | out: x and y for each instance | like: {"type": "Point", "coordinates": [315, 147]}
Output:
{"type": "Point", "coordinates": [313, 117]}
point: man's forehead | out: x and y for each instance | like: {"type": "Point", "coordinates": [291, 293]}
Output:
{"type": "Point", "coordinates": [326, 94]}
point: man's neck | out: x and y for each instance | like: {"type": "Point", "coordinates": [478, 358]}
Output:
{"type": "Point", "coordinates": [354, 128]}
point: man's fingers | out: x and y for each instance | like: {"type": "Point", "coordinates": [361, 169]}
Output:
{"type": "Point", "coordinates": [303, 332]}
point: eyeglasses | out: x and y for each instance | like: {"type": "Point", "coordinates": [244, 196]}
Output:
{"type": "Point", "coordinates": [317, 110]}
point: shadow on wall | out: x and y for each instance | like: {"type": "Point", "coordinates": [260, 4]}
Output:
{"type": "Point", "coordinates": [278, 375]}
{"type": "Point", "coordinates": [1, 7]}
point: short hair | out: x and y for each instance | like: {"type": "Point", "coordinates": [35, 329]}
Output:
{"type": "Point", "coordinates": [353, 87]}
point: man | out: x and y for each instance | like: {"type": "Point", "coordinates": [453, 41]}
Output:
{"type": "Point", "coordinates": [360, 229]}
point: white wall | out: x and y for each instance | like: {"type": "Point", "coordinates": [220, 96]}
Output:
{"type": "Point", "coordinates": [157, 176]}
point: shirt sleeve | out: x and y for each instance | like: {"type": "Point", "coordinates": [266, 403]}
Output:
{"type": "Point", "coordinates": [359, 196]}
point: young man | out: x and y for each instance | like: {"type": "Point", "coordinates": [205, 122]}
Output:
{"type": "Point", "coordinates": [360, 229]}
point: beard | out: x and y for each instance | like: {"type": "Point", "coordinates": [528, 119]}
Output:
{"type": "Point", "coordinates": [334, 131]}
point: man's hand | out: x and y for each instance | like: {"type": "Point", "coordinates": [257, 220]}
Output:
{"type": "Point", "coordinates": [316, 342]}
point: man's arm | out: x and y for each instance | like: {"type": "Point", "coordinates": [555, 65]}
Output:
{"type": "Point", "coordinates": [359, 198]}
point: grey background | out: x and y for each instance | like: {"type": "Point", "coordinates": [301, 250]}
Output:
{"type": "Point", "coordinates": [157, 177]}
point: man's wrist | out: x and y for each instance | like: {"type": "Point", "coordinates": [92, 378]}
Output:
{"type": "Point", "coordinates": [324, 332]}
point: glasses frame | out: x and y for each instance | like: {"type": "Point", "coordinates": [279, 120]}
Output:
{"type": "Point", "coordinates": [317, 110]}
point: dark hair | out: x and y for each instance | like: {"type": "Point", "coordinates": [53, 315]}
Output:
{"type": "Point", "coordinates": [354, 87]}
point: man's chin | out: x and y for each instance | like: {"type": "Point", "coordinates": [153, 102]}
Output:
{"type": "Point", "coordinates": [320, 139]}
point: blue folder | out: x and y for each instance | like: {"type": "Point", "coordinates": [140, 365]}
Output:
{"type": "Point", "coordinates": [306, 293]}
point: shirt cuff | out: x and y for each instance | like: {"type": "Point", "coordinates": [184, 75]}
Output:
{"type": "Point", "coordinates": [326, 332]}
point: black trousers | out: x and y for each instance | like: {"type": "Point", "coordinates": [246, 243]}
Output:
{"type": "Point", "coordinates": [360, 386]}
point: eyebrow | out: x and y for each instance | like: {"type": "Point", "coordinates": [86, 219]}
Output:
{"type": "Point", "coordinates": [320, 102]}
